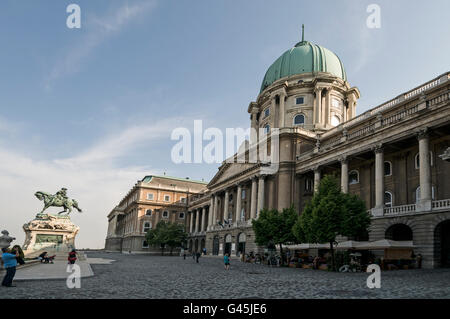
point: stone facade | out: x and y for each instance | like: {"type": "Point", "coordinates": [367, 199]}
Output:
{"type": "Point", "coordinates": [393, 156]}
{"type": "Point", "coordinates": [151, 200]}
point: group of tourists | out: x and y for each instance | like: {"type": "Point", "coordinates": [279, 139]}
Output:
{"type": "Point", "coordinates": [11, 257]}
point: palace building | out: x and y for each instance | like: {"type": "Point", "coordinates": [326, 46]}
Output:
{"type": "Point", "coordinates": [152, 199]}
{"type": "Point", "coordinates": [394, 156]}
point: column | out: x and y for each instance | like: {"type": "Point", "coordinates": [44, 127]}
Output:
{"type": "Point", "coordinates": [238, 203]}
{"type": "Point", "coordinates": [327, 107]}
{"type": "Point", "coordinates": [210, 212]}
{"type": "Point", "coordinates": [253, 199]}
{"type": "Point", "coordinates": [202, 227]}
{"type": "Point", "coordinates": [260, 195]}
{"type": "Point", "coordinates": [225, 205]}
{"type": "Point", "coordinates": [196, 214]}
{"type": "Point", "coordinates": [344, 175]}
{"type": "Point", "coordinates": [379, 178]}
{"type": "Point", "coordinates": [316, 179]}
{"type": "Point", "coordinates": [191, 222]}
{"type": "Point", "coordinates": [216, 203]}
{"type": "Point", "coordinates": [282, 111]}
{"type": "Point", "coordinates": [425, 170]}
{"type": "Point", "coordinates": [318, 106]}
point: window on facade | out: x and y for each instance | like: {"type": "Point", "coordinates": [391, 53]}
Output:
{"type": "Point", "coordinates": [418, 194]}
{"type": "Point", "coordinates": [335, 120]}
{"type": "Point", "coordinates": [388, 199]}
{"type": "Point", "coordinates": [266, 112]}
{"type": "Point", "coordinates": [266, 129]}
{"type": "Point", "coordinates": [183, 199]}
{"type": "Point", "coordinates": [147, 226]}
{"type": "Point", "coordinates": [353, 177]}
{"type": "Point", "coordinates": [243, 194]}
{"type": "Point", "coordinates": [243, 214]}
{"type": "Point", "coordinates": [150, 196]}
{"type": "Point", "coordinates": [299, 119]}
{"type": "Point", "coordinates": [148, 212]}
{"type": "Point", "coordinates": [300, 100]}
{"type": "Point", "coordinates": [417, 160]}
{"type": "Point", "coordinates": [308, 184]}
{"type": "Point", "coordinates": [181, 216]}
{"type": "Point", "coordinates": [144, 244]}
{"type": "Point", "coordinates": [165, 214]}
{"type": "Point", "coordinates": [387, 168]}
{"type": "Point", "coordinates": [166, 198]}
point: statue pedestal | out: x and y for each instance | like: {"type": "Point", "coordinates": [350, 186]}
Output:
{"type": "Point", "coordinates": [49, 233]}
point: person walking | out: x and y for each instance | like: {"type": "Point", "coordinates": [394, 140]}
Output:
{"type": "Point", "coordinates": [21, 258]}
{"type": "Point", "coordinates": [184, 254]}
{"type": "Point", "coordinates": [72, 257]}
{"type": "Point", "coordinates": [9, 261]}
{"type": "Point", "coordinates": [226, 260]}
{"type": "Point", "coordinates": [197, 255]}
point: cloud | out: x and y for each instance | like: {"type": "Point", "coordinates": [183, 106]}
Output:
{"type": "Point", "coordinates": [92, 178]}
{"type": "Point", "coordinates": [98, 29]}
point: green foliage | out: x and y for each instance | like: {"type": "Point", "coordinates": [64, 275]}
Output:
{"type": "Point", "coordinates": [275, 227]}
{"type": "Point", "coordinates": [331, 213]}
{"type": "Point", "coordinates": [166, 234]}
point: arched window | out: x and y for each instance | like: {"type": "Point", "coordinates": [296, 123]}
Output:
{"type": "Point", "coordinates": [335, 120]}
{"type": "Point", "coordinates": [417, 160]}
{"type": "Point", "coordinates": [299, 119]}
{"type": "Point", "coordinates": [266, 112]}
{"type": "Point", "coordinates": [418, 194]}
{"type": "Point", "coordinates": [148, 212]}
{"type": "Point", "coordinates": [399, 232]}
{"type": "Point", "coordinates": [266, 129]}
{"type": "Point", "coordinates": [388, 199]}
{"type": "Point", "coordinates": [387, 168]}
{"type": "Point", "coordinates": [308, 184]}
{"type": "Point", "coordinates": [353, 177]}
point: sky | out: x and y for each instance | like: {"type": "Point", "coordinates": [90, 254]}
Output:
{"type": "Point", "coordinates": [92, 109]}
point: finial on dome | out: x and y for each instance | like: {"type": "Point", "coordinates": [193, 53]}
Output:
{"type": "Point", "coordinates": [303, 32]}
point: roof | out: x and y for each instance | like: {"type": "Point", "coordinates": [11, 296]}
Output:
{"type": "Point", "coordinates": [304, 57]}
{"type": "Point", "coordinates": [148, 178]}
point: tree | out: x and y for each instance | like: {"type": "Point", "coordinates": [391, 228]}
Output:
{"type": "Point", "coordinates": [331, 213]}
{"type": "Point", "coordinates": [275, 227]}
{"type": "Point", "coordinates": [166, 234]}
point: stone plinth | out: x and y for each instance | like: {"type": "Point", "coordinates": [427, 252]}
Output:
{"type": "Point", "coordinates": [49, 233]}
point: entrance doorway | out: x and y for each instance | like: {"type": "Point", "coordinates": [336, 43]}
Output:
{"type": "Point", "coordinates": [442, 244]}
{"type": "Point", "coordinates": [227, 249]}
{"type": "Point", "coordinates": [216, 245]}
{"type": "Point", "coordinates": [241, 244]}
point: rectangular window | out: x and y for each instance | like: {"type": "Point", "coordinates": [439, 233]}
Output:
{"type": "Point", "coordinates": [144, 244]}
{"type": "Point", "coordinates": [267, 112]}
{"type": "Point", "coordinates": [166, 198]}
{"type": "Point", "coordinates": [150, 196]}
{"type": "Point", "coordinates": [183, 199]}
{"type": "Point", "coordinates": [243, 194]}
{"type": "Point", "coordinates": [165, 214]}
{"type": "Point", "coordinates": [300, 100]}
{"type": "Point", "coordinates": [181, 216]}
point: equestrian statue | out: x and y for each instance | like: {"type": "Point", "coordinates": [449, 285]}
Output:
{"type": "Point", "coordinates": [60, 199]}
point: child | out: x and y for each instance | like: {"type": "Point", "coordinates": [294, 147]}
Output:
{"type": "Point", "coordinates": [72, 256]}
{"type": "Point", "coordinates": [226, 259]}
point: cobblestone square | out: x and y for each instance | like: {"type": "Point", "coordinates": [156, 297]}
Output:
{"type": "Point", "coordinates": [143, 276]}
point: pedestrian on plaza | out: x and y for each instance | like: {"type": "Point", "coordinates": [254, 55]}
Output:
{"type": "Point", "coordinates": [9, 261]}
{"type": "Point", "coordinates": [198, 256]}
{"type": "Point", "coordinates": [184, 254]}
{"type": "Point", "coordinates": [204, 251]}
{"type": "Point", "coordinates": [226, 260]}
{"type": "Point", "coordinates": [72, 257]}
{"type": "Point", "coordinates": [20, 259]}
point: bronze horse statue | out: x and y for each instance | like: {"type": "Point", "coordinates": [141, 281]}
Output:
{"type": "Point", "coordinates": [57, 201]}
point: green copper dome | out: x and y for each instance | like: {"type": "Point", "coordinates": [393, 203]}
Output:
{"type": "Point", "coordinates": [305, 57]}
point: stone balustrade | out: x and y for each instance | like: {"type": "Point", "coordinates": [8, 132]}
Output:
{"type": "Point", "coordinates": [436, 205]}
